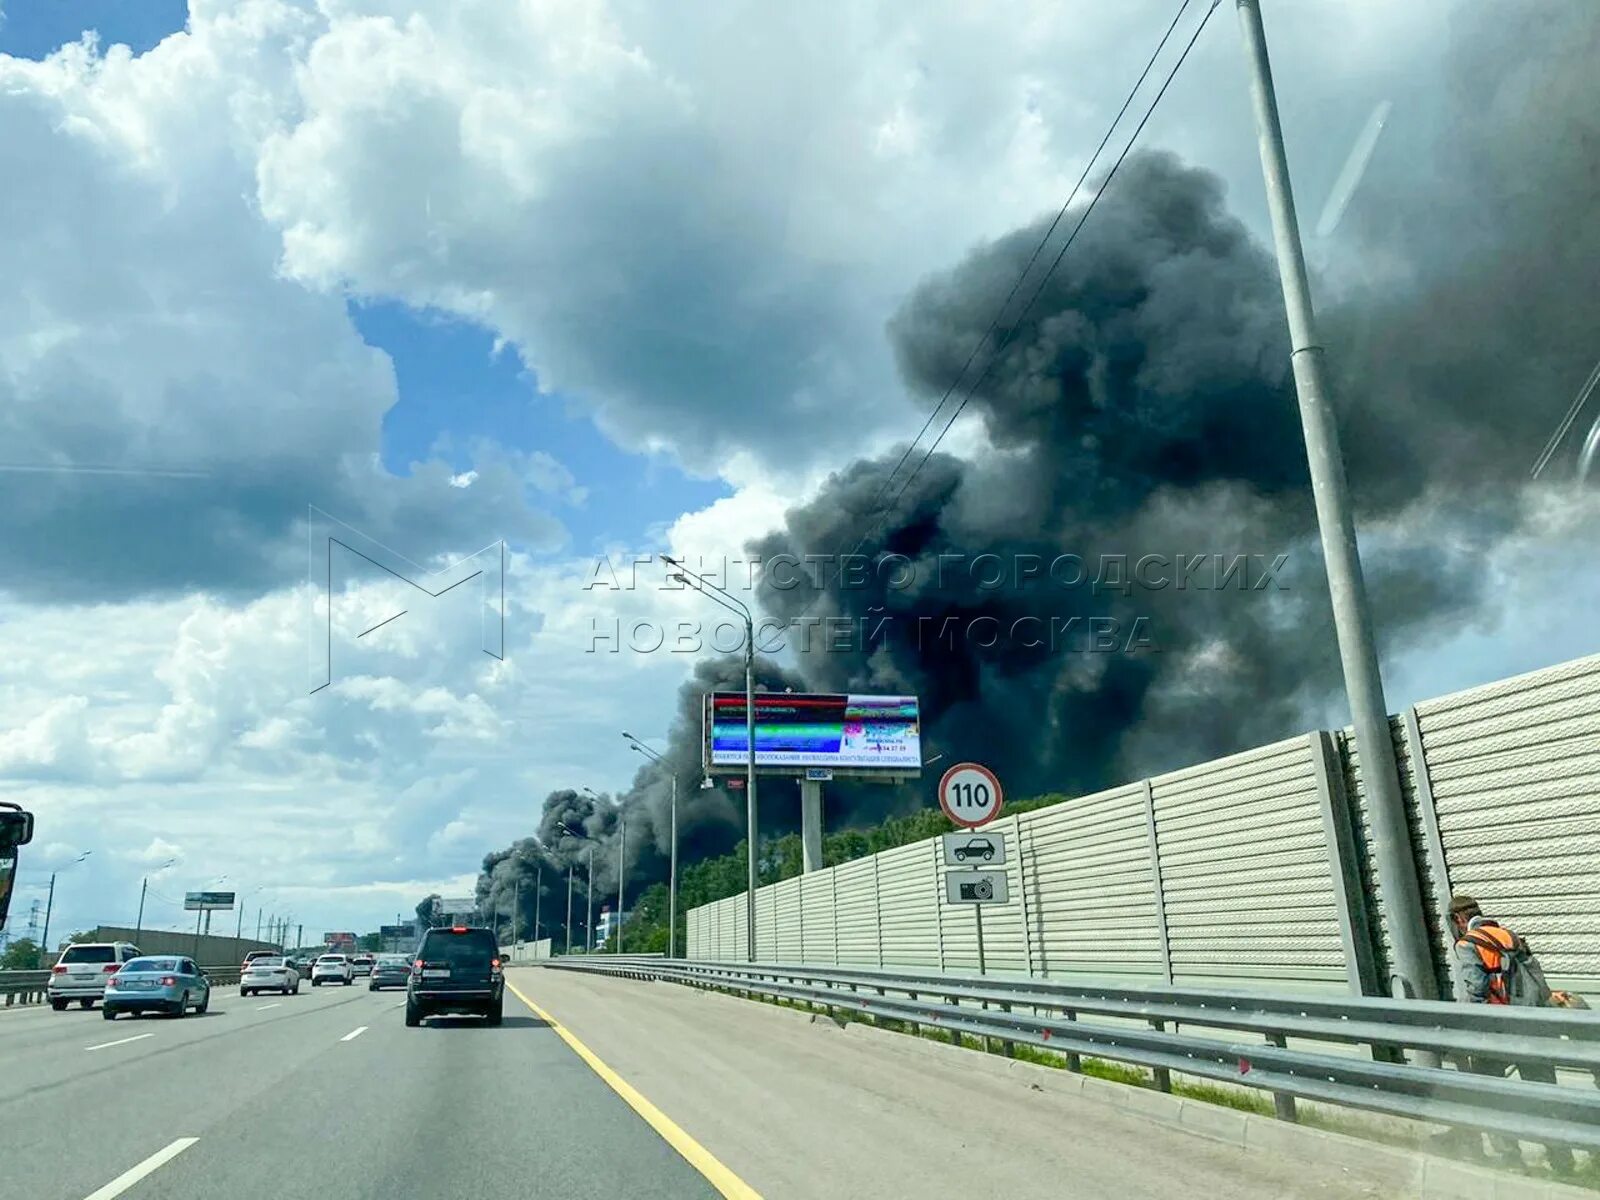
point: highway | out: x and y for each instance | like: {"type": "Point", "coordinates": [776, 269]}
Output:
{"type": "Point", "coordinates": [326, 1094]}
{"type": "Point", "coordinates": [645, 1089]}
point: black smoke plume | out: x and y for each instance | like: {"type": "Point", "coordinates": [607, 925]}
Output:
{"type": "Point", "coordinates": [1144, 407]}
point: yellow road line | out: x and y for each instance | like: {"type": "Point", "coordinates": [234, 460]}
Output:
{"type": "Point", "coordinates": [698, 1157]}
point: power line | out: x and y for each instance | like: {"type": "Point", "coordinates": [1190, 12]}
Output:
{"type": "Point", "coordinates": [1111, 129]}
{"type": "Point", "coordinates": [1573, 409]}
{"type": "Point", "coordinates": [1067, 245]}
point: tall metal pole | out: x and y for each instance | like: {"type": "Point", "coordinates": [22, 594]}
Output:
{"type": "Point", "coordinates": [538, 900]}
{"type": "Point", "coordinates": [588, 921]}
{"type": "Point", "coordinates": [44, 944]}
{"type": "Point", "coordinates": [196, 954]}
{"type": "Point", "coordinates": [569, 908]}
{"type": "Point", "coordinates": [138, 924]}
{"type": "Point", "coordinates": [672, 879]}
{"type": "Point", "coordinates": [750, 783]}
{"type": "Point", "coordinates": [622, 850]}
{"type": "Point", "coordinates": [260, 912]}
{"type": "Point", "coordinates": [1412, 967]}
{"type": "Point", "coordinates": [238, 928]}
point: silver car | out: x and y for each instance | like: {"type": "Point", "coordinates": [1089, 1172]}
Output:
{"type": "Point", "coordinates": [269, 974]}
{"type": "Point", "coordinates": [82, 970]}
{"type": "Point", "coordinates": [164, 983]}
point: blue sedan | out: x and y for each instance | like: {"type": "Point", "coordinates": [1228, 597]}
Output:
{"type": "Point", "coordinates": [158, 983]}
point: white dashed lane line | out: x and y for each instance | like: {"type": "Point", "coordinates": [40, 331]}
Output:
{"type": "Point", "coordinates": [354, 1033]}
{"type": "Point", "coordinates": [264, 1007]}
{"type": "Point", "coordinates": [134, 1174]}
{"type": "Point", "coordinates": [138, 1037]}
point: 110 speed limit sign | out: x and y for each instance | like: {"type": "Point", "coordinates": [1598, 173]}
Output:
{"type": "Point", "coordinates": [970, 795]}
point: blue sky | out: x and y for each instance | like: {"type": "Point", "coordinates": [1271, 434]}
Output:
{"type": "Point", "coordinates": [453, 385]}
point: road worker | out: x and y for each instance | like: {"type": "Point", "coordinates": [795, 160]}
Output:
{"type": "Point", "coordinates": [1495, 969]}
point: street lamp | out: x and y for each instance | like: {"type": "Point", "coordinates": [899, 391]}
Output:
{"type": "Point", "coordinates": [731, 602]}
{"type": "Point", "coordinates": [138, 925]}
{"type": "Point", "coordinates": [622, 850]}
{"type": "Point", "coordinates": [50, 903]}
{"type": "Point", "coordinates": [672, 870]}
{"type": "Point", "coordinates": [588, 921]}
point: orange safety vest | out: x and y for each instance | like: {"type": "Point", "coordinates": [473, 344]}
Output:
{"type": "Point", "coordinates": [1491, 942]}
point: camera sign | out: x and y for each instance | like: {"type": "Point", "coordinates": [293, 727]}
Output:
{"type": "Point", "coordinates": [970, 795]}
{"type": "Point", "coordinates": [976, 887]}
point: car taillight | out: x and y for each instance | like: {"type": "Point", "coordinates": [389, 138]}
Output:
{"type": "Point", "coordinates": [113, 968]}
{"type": "Point", "coordinates": [495, 963]}
{"type": "Point", "coordinates": [417, 966]}
{"type": "Point", "coordinates": [169, 980]}
{"type": "Point", "coordinates": [112, 982]}
{"type": "Point", "coordinates": [58, 969]}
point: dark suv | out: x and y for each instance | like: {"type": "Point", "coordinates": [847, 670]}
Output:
{"type": "Point", "coordinates": [457, 970]}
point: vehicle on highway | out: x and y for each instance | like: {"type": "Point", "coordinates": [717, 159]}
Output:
{"type": "Point", "coordinates": [457, 970]}
{"type": "Point", "coordinates": [268, 974]}
{"type": "Point", "coordinates": [332, 968]}
{"type": "Point", "coordinates": [361, 964]}
{"type": "Point", "coordinates": [167, 983]}
{"type": "Point", "coordinates": [389, 970]}
{"type": "Point", "coordinates": [255, 954]}
{"type": "Point", "coordinates": [82, 970]}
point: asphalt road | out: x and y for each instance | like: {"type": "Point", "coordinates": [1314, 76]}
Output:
{"type": "Point", "coordinates": [324, 1094]}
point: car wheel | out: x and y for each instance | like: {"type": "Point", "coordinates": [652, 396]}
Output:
{"type": "Point", "coordinates": [183, 1006]}
{"type": "Point", "coordinates": [295, 991]}
{"type": "Point", "coordinates": [316, 983]}
{"type": "Point", "coordinates": [59, 1005]}
{"type": "Point", "coordinates": [204, 1004]}
{"type": "Point", "coordinates": [86, 1003]}
{"type": "Point", "coordinates": [413, 1016]}
{"type": "Point", "coordinates": [107, 1013]}
{"type": "Point", "coordinates": [495, 1014]}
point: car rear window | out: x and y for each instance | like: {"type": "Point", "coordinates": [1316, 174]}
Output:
{"type": "Point", "coordinates": [266, 962]}
{"type": "Point", "coordinates": [89, 954]}
{"type": "Point", "coordinates": [332, 959]}
{"type": "Point", "coordinates": [473, 946]}
{"type": "Point", "coordinates": [151, 964]}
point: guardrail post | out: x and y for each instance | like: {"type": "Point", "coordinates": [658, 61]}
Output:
{"type": "Point", "coordinates": [1007, 1046]}
{"type": "Point", "coordinates": [1282, 1102]}
{"type": "Point", "coordinates": [1163, 1077]}
{"type": "Point", "coordinates": [1074, 1061]}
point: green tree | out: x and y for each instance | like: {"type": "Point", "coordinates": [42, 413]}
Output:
{"type": "Point", "coordinates": [21, 955]}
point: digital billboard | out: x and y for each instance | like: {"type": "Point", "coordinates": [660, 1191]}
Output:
{"type": "Point", "coordinates": [208, 901]}
{"type": "Point", "coordinates": [800, 730]}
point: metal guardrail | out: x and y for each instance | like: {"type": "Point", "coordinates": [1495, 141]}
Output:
{"type": "Point", "coordinates": [28, 987]}
{"type": "Point", "coordinates": [1142, 1026]}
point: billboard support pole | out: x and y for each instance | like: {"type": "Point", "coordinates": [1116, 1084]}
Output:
{"type": "Point", "coordinates": [750, 781]}
{"type": "Point", "coordinates": [811, 824]}
{"type": "Point", "coordinates": [197, 916]}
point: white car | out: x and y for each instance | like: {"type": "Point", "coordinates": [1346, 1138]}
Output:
{"type": "Point", "coordinates": [82, 970]}
{"type": "Point", "coordinates": [269, 974]}
{"type": "Point", "coordinates": [332, 968]}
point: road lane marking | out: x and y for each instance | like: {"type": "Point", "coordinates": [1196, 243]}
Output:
{"type": "Point", "coordinates": [697, 1156]}
{"type": "Point", "coordinates": [132, 1176]}
{"type": "Point", "coordinates": [264, 1007]}
{"type": "Point", "coordinates": [138, 1037]}
{"type": "Point", "coordinates": [354, 1033]}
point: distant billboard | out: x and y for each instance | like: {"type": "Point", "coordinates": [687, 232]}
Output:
{"type": "Point", "coordinates": [396, 932]}
{"type": "Point", "coordinates": [338, 939]}
{"type": "Point", "coordinates": [796, 731]}
{"type": "Point", "coordinates": [457, 908]}
{"type": "Point", "coordinates": [208, 901]}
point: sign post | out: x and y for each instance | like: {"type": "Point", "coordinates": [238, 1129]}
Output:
{"type": "Point", "coordinates": [971, 796]}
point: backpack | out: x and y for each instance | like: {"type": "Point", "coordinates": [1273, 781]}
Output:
{"type": "Point", "coordinates": [1519, 974]}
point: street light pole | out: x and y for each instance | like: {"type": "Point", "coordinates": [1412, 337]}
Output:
{"type": "Point", "coordinates": [1413, 964]}
{"type": "Point", "coordinates": [569, 908]}
{"type": "Point", "coordinates": [622, 851]}
{"type": "Point", "coordinates": [730, 601]}
{"type": "Point", "coordinates": [672, 868]}
{"type": "Point", "coordinates": [48, 905]}
{"type": "Point", "coordinates": [538, 900]}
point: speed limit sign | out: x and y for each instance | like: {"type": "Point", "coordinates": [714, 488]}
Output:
{"type": "Point", "coordinates": [970, 795]}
